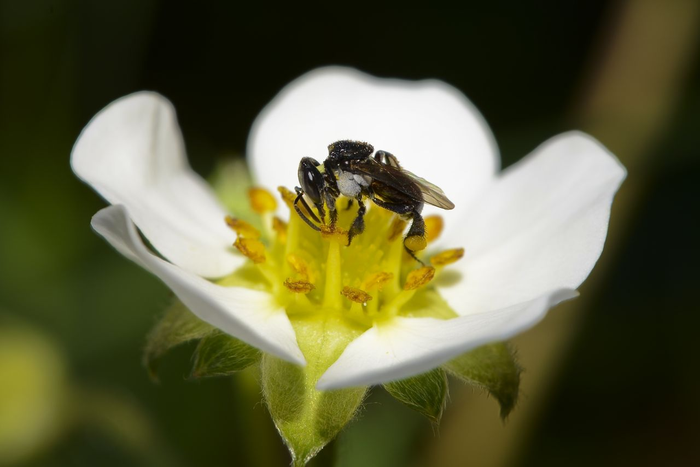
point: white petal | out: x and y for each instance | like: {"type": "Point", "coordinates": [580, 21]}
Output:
{"type": "Point", "coordinates": [430, 126]}
{"type": "Point", "coordinates": [132, 153]}
{"type": "Point", "coordinates": [251, 316]}
{"type": "Point", "coordinates": [405, 347]}
{"type": "Point", "coordinates": [540, 227]}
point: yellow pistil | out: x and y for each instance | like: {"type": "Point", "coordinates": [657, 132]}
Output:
{"type": "Point", "coordinates": [242, 228]}
{"type": "Point", "coordinates": [314, 273]}
{"type": "Point", "coordinates": [301, 286]}
{"type": "Point", "coordinates": [447, 257]}
{"type": "Point", "coordinates": [355, 295]}
{"type": "Point", "coordinates": [433, 227]}
{"type": "Point", "coordinates": [252, 248]}
{"type": "Point", "coordinates": [261, 200]}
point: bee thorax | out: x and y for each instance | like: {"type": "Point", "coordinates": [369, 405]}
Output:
{"type": "Point", "coordinates": [350, 185]}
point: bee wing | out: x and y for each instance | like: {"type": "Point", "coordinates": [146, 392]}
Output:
{"type": "Point", "coordinates": [432, 194]}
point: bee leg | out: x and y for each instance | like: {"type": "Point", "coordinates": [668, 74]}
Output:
{"type": "Point", "coordinates": [386, 158]}
{"type": "Point", "coordinates": [415, 238]}
{"type": "Point", "coordinates": [330, 202]}
{"type": "Point", "coordinates": [358, 225]}
{"type": "Point", "coordinates": [347, 208]}
{"type": "Point", "coordinates": [300, 197]}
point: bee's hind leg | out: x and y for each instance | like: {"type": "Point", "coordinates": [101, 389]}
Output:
{"type": "Point", "coordinates": [358, 225]}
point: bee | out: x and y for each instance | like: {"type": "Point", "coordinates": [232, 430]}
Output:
{"type": "Point", "coordinates": [350, 170]}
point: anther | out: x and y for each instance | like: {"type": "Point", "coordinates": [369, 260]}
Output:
{"type": "Point", "coordinates": [419, 277]}
{"type": "Point", "coordinates": [252, 248]}
{"type": "Point", "coordinates": [377, 280]}
{"type": "Point", "coordinates": [298, 286]}
{"type": "Point", "coordinates": [433, 227]}
{"type": "Point", "coordinates": [299, 266]}
{"type": "Point", "coordinates": [280, 227]}
{"type": "Point", "coordinates": [261, 200]}
{"type": "Point", "coordinates": [287, 196]}
{"type": "Point", "coordinates": [355, 295]}
{"type": "Point", "coordinates": [447, 257]}
{"type": "Point", "coordinates": [242, 228]}
{"type": "Point", "coordinates": [397, 227]}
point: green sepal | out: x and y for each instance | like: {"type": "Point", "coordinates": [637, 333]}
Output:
{"type": "Point", "coordinates": [424, 393]}
{"type": "Point", "coordinates": [219, 354]}
{"type": "Point", "coordinates": [492, 367]}
{"type": "Point", "coordinates": [307, 418]}
{"type": "Point", "coordinates": [177, 326]}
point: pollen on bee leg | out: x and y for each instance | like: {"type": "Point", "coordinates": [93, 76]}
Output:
{"type": "Point", "coordinates": [252, 248]}
{"type": "Point", "coordinates": [415, 243]}
{"type": "Point", "coordinates": [447, 257]}
{"type": "Point", "coordinates": [261, 200]}
{"type": "Point", "coordinates": [300, 286]}
{"type": "Point", "coordinates": [355, 295]}
{"type": "Point", "coordinates": [419, 277]}
{"type": "Point", "coordinates": [242, 228]}
{"type": "Point", "coordinates": [433, 227]}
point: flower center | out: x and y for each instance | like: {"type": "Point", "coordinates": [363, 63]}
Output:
{"type": "Point", "coordinates": [311, 272]}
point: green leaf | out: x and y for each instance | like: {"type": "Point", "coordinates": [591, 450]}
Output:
{"type": "Point", "coordinates": [492, 367]}
{"type": "Point", "coordinates": [177, 326]}
{"type": "Point", "coordinates": [306, 418]}
{"type": "Point", "coordinates": [219, 354]}
{"type": "Point", "coordinates": [424, 393]}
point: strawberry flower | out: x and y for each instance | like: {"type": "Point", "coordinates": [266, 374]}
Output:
{"type": "Point", "coordinates": [518, 242]}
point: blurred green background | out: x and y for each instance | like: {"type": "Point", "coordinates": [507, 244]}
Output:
{"type": "Point", "coordinates": [611, 379]}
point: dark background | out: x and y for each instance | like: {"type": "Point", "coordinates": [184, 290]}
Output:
{"type": "Point", "coordinates": [611, 379]}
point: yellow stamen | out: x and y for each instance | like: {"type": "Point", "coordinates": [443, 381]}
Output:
{"type": "Point", "coordinates": [298, 286]}
{"type": "Point", "coordinates": [355, 295]}
{"type": "Point", "coordinates": [280, 226]}
{"type": "Point", "coordinates": [447, 257]}
{"type": "Point", "coordinates": [377, 280]}
{"type": "Point", "coordinates": [288, 197]}
{"type": "Point", "coordinates": [415, 243]}
{"type": "Point", "coordinates": [242, 228]}
{"type": "Point", "coordinates": [419, 277]}
{"type": "Point", "coordinates": [433, 227]}
{"type": "Point", "coordinates": [252, 248]}
{"type": "Point", "coordinates": [300, 266]}
{"type": "Point", "coordinates": [397, 227]}
{"type": "Point", "coordinates": [261, 200]}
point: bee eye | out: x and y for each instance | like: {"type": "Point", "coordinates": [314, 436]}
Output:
{"type": "Point", "coordinates": [310, 179]}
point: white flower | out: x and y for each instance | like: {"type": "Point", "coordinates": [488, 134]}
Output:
{"type": "Point", "coordinates": [531, 233]}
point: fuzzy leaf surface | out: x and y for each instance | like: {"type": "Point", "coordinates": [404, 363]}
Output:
{"type": "Point", "coordinates": [424, 393]}
{"type": "Point", "coordinates": [492, 367]}
{"type": "Point", "coordinates": [177, 326]}
{"type": "Point", "coordinates": [219, 354]}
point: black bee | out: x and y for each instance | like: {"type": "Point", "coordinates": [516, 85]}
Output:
{"type": "Point", "coordinates": [350, 170]}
